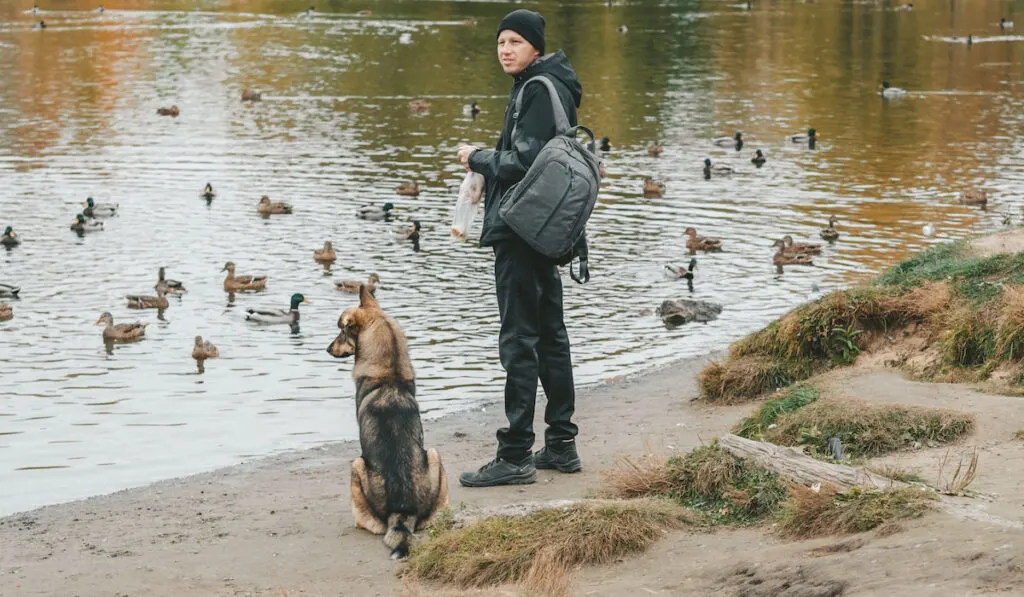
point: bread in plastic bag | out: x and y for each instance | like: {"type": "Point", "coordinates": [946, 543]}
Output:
{"type": "Point", "coordinates": [470, 192]}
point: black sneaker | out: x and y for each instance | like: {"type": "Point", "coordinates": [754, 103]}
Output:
{"type": "Point", "coordinates": [500, 472]}
{"type": "Point", "coordinates": [563, 460]}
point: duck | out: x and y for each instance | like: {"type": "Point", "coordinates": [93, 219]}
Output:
{"type": "Point", "coordinates": [409, 232]}
{"type": "Point", "coordinates": [204, 350]}
{"type": "Point", "coordinates": [809, 137]}
{"type": "Point", "coordinates": [208, 193]}
{"type": "Point", "coordinates": [35, 9]}
{"type": "Point", "coordinates": [782, 258]}
{"type": "Point", "coordinates": [40, 25]}
{"type": "Point", "coordinates": [887, 90]}
{"type": "Point", "coordinates": [1005, 25]}
{"type": "Point", "coordinates": [81, 225]}
{"type": "Point", "coordinates": [310, 11]}
{"type": "Point", "coordinates": [408, 189]}
{"type": "Point", "coordinates": [234, 283]}
{"type": "Point", "coordinates": [717, 169]}
{"type": "Point", "coordinates": [601, 170]}
{"type": "Point", "coordinates": [655, 149]}
{"type": "Point", "coordinates": [352, 286]}
{"type": "Point", "coordinates": [100, 9]}
{"type": "Point", "coordinates": [10, 238]}
{"type": "Point", "coordinates": [168, 286]}
{"type": "Point", "coordinates": [9, 290]}
{"type": "Point", "coordinates": [472, 109]}
{"type": "Point", "coordinates": [326, 254]}
{"type": "Point", "coordinates": [249, 95]}
{"type": "Point", "coordinates": [98, 210]}
{"type": "Point", "coordinates": [172, 111]}
{"type": "Point", "coordinates": [606, 144]}
{"type": "Point", "coordinates": [653, 188]}
{"type": "Point", "coordinates": [121, 331]}
{"type": "Point", "coordinates": [973, 197]}
{"type": "Point", "coordinates": [905, 7]}
{"type": "Point", "coordinates": [269, 315]}
{"type": "Point", "coordinates": [622, 29]}
{"type": "Point", "coordinates": [736, 140]}
{"type": "Point", "coordinates": [791, 247]}
{"type": "Point", "coordinates": [138, 301]}
{"type": "Point", "coordinates": [970, 40]}
{"type": "Point", "coordinates": [830, 234]}
{"type": "Point", "coordinates": [366, 12]}
{"type": "Point", "coordinates": [928, 229]}
{"type": "Point", "coordinates": [6, 312]}
{"type": "Point", "coordinates": [420, 105]}
{"type": "Point", "coordinates": [375, 213]}
{"type": "Point", "coordinates": [758, 159]}
{"type": "Point", "coordinates": [267, 207]}
{"type": "Point", "coordinates": [701, 243]}
{"type": "Point", "coordinates": [681, 273]}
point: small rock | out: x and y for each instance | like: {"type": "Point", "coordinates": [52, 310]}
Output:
{"type": "Point", "coordinates": [683, 311]}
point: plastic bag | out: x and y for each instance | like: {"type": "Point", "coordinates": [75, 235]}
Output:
{"type": "Point", "coordinates": [470, 192]}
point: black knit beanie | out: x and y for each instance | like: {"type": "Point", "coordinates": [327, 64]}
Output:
{"type": "Point", "coordinates": [527, 23]}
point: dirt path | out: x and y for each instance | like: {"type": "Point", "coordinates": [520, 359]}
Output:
{"type": "Point", "coordinates": [284, 522]}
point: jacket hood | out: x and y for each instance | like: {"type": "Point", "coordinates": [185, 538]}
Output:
{"type": "Point", "coordinates": [556, 65]}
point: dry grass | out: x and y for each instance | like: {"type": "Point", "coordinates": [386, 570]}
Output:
{"type": "Point", "coordinates": [756, 425]}
{"type": "Point", "coordinates": [538, 548]}
{"type": "Point", "coordinates": [810, 514]}
{"type": "Point", "coordinates": [1010, 338]}
{"type": "Point", "coordinates": [1019, 435]}
{"type": "Point", "coordinates": [962, 477]}
{"type": "Point", "coordinates": [641, 477]}
{"type": "Point", "coordinates": [746, 378]}
{"type": "Point", "coordinates": [867, 429]}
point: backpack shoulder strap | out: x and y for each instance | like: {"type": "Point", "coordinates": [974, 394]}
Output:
{"type": "Point", "coordinates": [561, 120]}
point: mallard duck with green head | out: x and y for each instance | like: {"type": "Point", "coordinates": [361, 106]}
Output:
{"type": "Point", "coordinates": [606, 144]}
{"type": "Point", "coordinates": [10, 238]}
{"type": "Point", "coordinates": [141, 301]}
{"type": "Point", "coordinates": [888, 91]}
{"type": "Point", "coordinates": [409, 232]}
{"type": "Point", "coordinates": [716, 169]}
{"type": "Point", "coordinates": [121, 331]}
{"type": "Point", "coordinates": [700, 243]}
{"type": "Point", "coordinates": [268, 207]}
{"type": "Point", "coordinates": [233, 283]}
{"type": "Point", "coordinates": [758, 159]}
{"type": "Point", "coordinates": [208, 193]}
{"type": "Point", "coordinates": [167, 285]}
{"type": "Point", "coordinates": [809, 137]}
{"type": "Point", "coordinates": [375, 213]}
{"type": "Point", "coordinates": [681, 273]}
{"type": "Point", "coordinates": [352, 286]}
{"type": "Point", "coordinates": [9, 290]}
{"type": "Point", "coordinates": [271, 315]}
{"type": "Point", "coordinates": [830, 234]}
{"type": "Point", "coordinates": [782, 258]}
{"type": "Point", "coordinates": [98, 210]}
{"type": "Point", "coordinates": [734, 141]}
{"type": "Point", "coordinates": [81, 225]}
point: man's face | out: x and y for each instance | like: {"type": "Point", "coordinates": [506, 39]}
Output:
{"type": "Point", "coordinates": [514, 52]}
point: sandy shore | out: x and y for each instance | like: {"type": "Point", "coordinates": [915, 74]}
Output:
{"type": "Point", "coordinates": [284, 522]}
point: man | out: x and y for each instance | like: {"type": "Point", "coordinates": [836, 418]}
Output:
{"type": "Point", "coordinates": [533, 342]}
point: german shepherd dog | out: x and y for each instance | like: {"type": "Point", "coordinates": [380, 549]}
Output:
{"type": "Point", "coordinates": [397, 486]}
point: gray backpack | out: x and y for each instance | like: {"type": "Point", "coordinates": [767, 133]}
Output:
{"type": "Point", "coordinates": [550, 206]}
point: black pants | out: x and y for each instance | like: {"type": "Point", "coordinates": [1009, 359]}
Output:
{"type": "Point", "coordinates": [533, 344]}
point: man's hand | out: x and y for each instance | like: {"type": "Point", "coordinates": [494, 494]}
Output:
{"type": "Point", "coordinates": [464, 152]}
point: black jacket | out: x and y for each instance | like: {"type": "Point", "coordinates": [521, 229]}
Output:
{"type": "Point", "coordinates": [508, 162]}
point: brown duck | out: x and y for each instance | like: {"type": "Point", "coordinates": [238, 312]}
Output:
{"type": "Point", "coordinates": [783, 258]}
{"type": "Point", "coordinates": [655, 149]}
{"type": "Point", "coordinates": [234, 283]}
{"type": "Point", "coordinates": [138, 301]}
{"type": "Point", "coordinates": [204, 350]}
{"type": "Point", "coordinates": [653, 188]}
{"type": "Point", "coordinates": [791, 247]}
{"type": "Point", "coordinates": [830, 234]}
{"type": "Point", "coordinates": [326, 254]}
{"type": "Point", "coordinates": [408, 189]}
{"type": "Point", "coordinates": [6, 312]}
{"type": "Point", "coordinates": [121, 331]}
{"type": "Point", "coordinates": [172, 111]}
{"type": "Point", "coordinates": [250, 95]}
{"type": "Point", "coordinates": [353, 285]}
{"type": "Point", "coordinates": [974, 197]}
{"type": "Point", "coordinates": [266, 206]}
{"type": "Point", "coordinates": [701, 243]}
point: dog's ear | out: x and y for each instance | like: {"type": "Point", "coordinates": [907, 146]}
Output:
{"type": "Point", "coordinates": [350, 320]}
{"type": "Point", "coordinates": [366, 298]}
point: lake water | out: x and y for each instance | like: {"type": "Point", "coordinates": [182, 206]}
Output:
{"type": "Point", "coordinates": [335, 131]}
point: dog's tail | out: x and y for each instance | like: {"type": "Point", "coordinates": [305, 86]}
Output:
{"type": "Point", "coordinates": [400, 528]}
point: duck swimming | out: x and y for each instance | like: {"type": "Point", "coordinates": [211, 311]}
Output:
{"type": "Point", "coordinates": [655, 149]}
{"type": "Point", "coordinates": [10, 238]}
{"type": "Point", "coordinates": [269, 315]}
{"type": "Point", "coordinates": [121, 331]}
{"type": "Point", "coordinates": [420, 105]}
{"type": "Point", "coordinates": [974, 197]}
{"type": "Point", "coordinates": [204, 350]}
{"type": "Point", "coordinates": [233, 283]}
{"type": "Point", "coordinates": [409, 232]}
{"type": "Point", "coordinates": [717, 169]}
{"type": "Point", "coordinates": [408, 189]}
{"type": "Point", "coordinates": [782, 258]}
{"type": "Point", "coordinates": [758, 159]}
{"type": "Point", "coordinates": [81, 225]}
{"type": "Point", "coordinates": [326, 254]}
{"type": "Point", "coordinates": [736, 140]}
{"type": "Point", "coordinates": [6, 312]}
{"type": "Point", "coordinates": [249, 95]}
{"type": "Point", "coordinates": [701, 243]}
{"type": "Point", "coordinates": [887, 91]}
{"type": "Point", "coordinates": [168, 286]}
{"type": "Point", "coordinates": [372, 212]}
{"type": "Point", "coordinates": [267, 207]}
{"type": "Point", "coordinates": [98, 210]}
{"type": "Point", "coordinates": [352, 286]}
{"type": "Point", "coordinates": [208, 192]}
{"type": "Point", "coordinates": [472, 109]}
{"type": "Point", "coordinates": [606, 144]}
{"type": "Point", "coordinates": [9, 290]}
{"type": "Point", "coordinates": [830, 234]}
{"type": "Point", "coordinates": [138, 301]}
{"type": "Point", "coordinates": [790, 247]}
{"type": "Point", "coordinates": [1005, 25]}
{"type": "Point", "coordinates": [809, 137]}
{"type": "Point", "coordinates": [680, 273]}
{"type": "Point", "coordinates": [172, 111]}
{"type": "Point", "coordinates": [653, 188]}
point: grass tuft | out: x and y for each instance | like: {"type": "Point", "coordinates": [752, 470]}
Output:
{"type": "Point", "coordinates": [541, 546]}
{"type": "Point", "coordinates": [865, 429]}
{"type": "Point", "coordinates": [754, 427]}
{"type": "Point", "coordinates": [748, 377]}
{"type": "Point", "coordinates": [810, 514]}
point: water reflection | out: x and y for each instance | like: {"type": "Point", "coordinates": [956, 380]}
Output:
{"type": "Point", "coordinates": [334, 131]}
